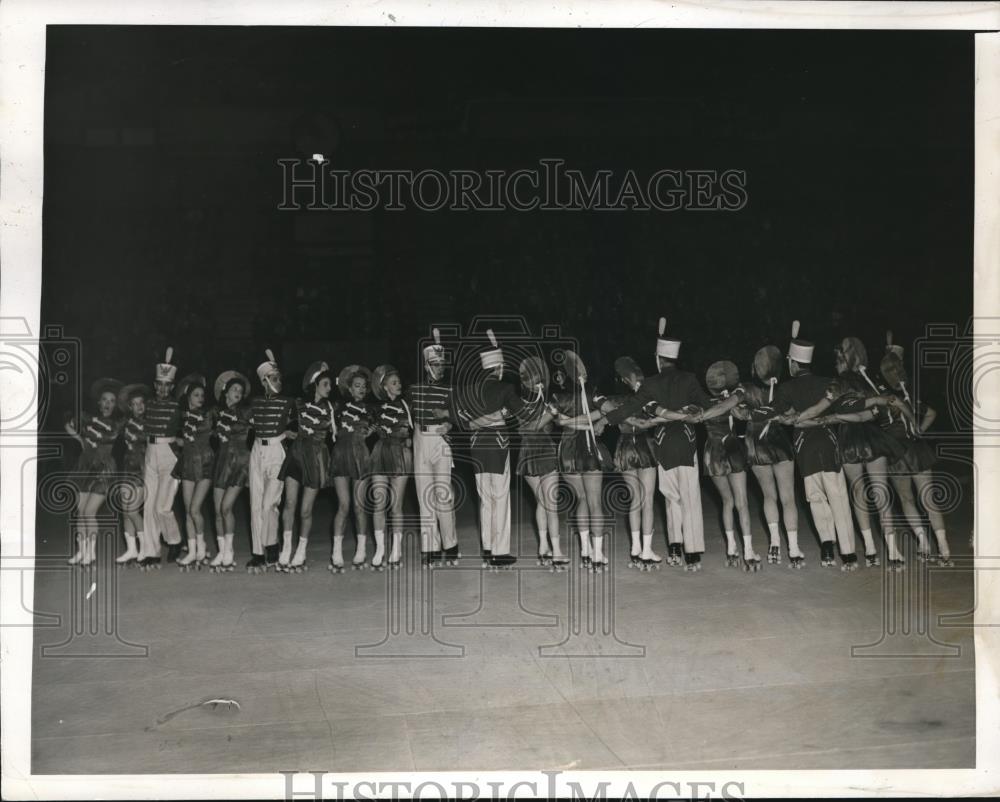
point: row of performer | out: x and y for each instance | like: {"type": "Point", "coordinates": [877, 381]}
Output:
{"type": "Point", "coordinates": [852, 438]}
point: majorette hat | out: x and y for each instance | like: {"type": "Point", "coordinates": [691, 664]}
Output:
{"type": "Point", "coordinates": [894, 371]}
{"type": "Point", "coordinates": [265, 369]}
{"type": "Point", "coordinates": [165, 372]}
{"type": "Point", "coordinates": [625, 366]}
{"type": "Point", "coordinates": [534, 369]}
{"type": "Point", "coordinates": [722, 375]}
{"type": "Point", "coordinates": [382, 372]}
{"type": "Point", "coordinates": [345, 376]}
{"type": "Point", "coordinates": [130, 391]}
{"type": "Point", "coordinates": [313, 373]}
{"type": "Point", "coordinates": [800, 350]}
{"type": "Point", "coordinates": [491, 357]}
{"type": "Point", "coordinates": [189, 381]}
{"type": "Point", "coordinates": [225, 378]}
{"type": "Point", "coordinates": [890, 348]}
{"type": "Point", "coordinates": [434, 352]}
{"type": "Point", "coordinates": [100, 386]}
{"type": "Point", "coordinates": [574, 367]}
{"type": "Point", "coordinates": [666, 347]}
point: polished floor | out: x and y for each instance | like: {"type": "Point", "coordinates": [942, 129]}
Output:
{"type": "Point", "coordinates": [460, 668]}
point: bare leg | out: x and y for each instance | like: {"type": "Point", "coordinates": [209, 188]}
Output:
{"type": "Point", "coordinates": [288, 512]}
{"type": "Point", "coordinates": [784, 473]}
{"type": "Point", "coordinates": [593, 482]}
{"type": "Point", "coordinates": [342, 485]}
{"type": "Point", "coordinates": [924, 483]}
{"type": "Point", "coordinates": [360, 520]}
{"type": "Point", "coordinates": [726, 494]}
{"type": "Point", "coordinates": [580, 513]}
{"type": "Point", "coordinates": [398, 496]}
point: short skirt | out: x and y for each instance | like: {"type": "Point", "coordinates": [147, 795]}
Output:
{"type": "Point", "coordinates": [197, 462]}
{"type": "Point", "coordinates": [351, 457]}
{"type": "Point", "coordinates": [918, 456]}
{"type": "Point", "coordinates": [538, 455]}
{"type": "Point", "coordinates": [392, 456]}
{"type": "Point", "coordinates": [724, 455]}
{"type": "Point", "coordinates": [96, 470]}
{"type": "Point", "coordinates": [134, 467]}
{"type": "Point", "coordinates": [634, 452]}
{"type": "Point", "coordinates": [864, 442]}
{"type": "Point", "coordinates": [232, 465]}
{"type": "Point", "coordinates": [578, 454]}
{"type": "Point", "coordinates": [308, 463]}
{"type": "Point", "coordinates": [773, 447]}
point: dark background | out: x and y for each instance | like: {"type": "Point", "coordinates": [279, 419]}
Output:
{"type": "Point", "coordinates": [162, 185]}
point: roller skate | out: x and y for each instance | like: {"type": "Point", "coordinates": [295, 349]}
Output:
{"type": "Point", "coordinates": [427, 560]}
{"type": "Point", "coordinates": [129, 557]}
{"type": "Point", "coordinates": [850, 562]}
{"type": "Point", "coordinates": [378, 563]}
{"type": "Point", "coordinates": [558, 564]}
{"type": "Point", "coordinates": [896, 565]}
{"type": "Point", "coordinates": [77, 558]}
{"type": "Point", "coordinates": [216, 565]}
{"type": "Point", "coordinates": [151, 563]}
{"type": "Point", "coordinates": [186, 563]}
{"type": "Point", "coordinates": [336, 565]}
{"type": "Point", "coordinates": [298, 564]}
{"type": "Point", "coordinates": [675, 555]}
{"type": "Point", "coordinates": [257, 564]}
{"type": "Point", "coordinates": [733, 560]}
{"type": "Point", "coordinates": [544, 559]}
{"type": "Point", "coordinates": [452, 555]}
{"type": "Point", "coordinates": [598, 565]}
{"type": "Point", "coordinates": [925, 557]}
{"type": "Point", "coordinates": [872, 560]}
{"type": "Point", "coordinates": [943, 561]}
{"type": "Point", "coordinates": [826, 556]}
{"type": "Point", "coordinates": [283, 562]}
{"type": "Point", "coordinates": [395, 553]}
{"type": "Point", "coordinates": [502, 562]}
{"type": "Point", "coordinates": [796, 561]}
{"type": "Point", "coordinates": [487, 555]}
{"type": "Point", "coordinates": [202, 557]}
{"type": "Point", "coordinates": [774, 555]}
{"type": "Point", "coordinates": [585, 562]}
{"type": "Point", "coordinates": [692, 563]}
{"type": "Point", "coordinates": [358, 562]}
{"type": "Point", "coordinates": [752, 563]}
{"type": "Point", "coordinates": [89, 555]}
{"type": "Point", "coordinates": [174, 551]}
{"type": "Point", "coordinates": [270, 557]}
{"type": "Point", "coordinates": [635, 560]}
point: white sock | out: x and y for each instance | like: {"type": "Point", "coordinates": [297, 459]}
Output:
{"type": "Point", "coordinates": [730, 541]}
{"type": "Point", "coordinates": [793, 543]}
{"type": "Point", "coordinates": [361, 549]}
{"type": "Point", "coordinates": [584, 542]}
{"type": "Point", "coordinates": [922, 543]}
{"type": "Point", "coordinates": [379, 546]}
{"type": "Point", "coordinates": [598, 548]}
{"type": "Point", "coordinates": [636, 543]}
{"type": "Point", "coordinates": [775, 531]}
{"type": "Point", "coordinates": [397, 540]}
{"type": "Point", "coordinates": [338, 549]}
{"type": "Point", "coordinates": [866, 535]}
{"type": "Point", "coordinates": [942, 540]}
{"type": "Point", "coordinates": [647, 548]}
{"type": "Point", "coordinates": [890, 546]}
{"type": "Point", "coordinates": [748, 546]}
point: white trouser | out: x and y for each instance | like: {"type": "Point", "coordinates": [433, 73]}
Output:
{"type": "Point", "coordinates": [265, 493]}
{"type": "Point", "coordinates": [831, 508]}
{"type": "Point", "coordinates": [682, 490]}
{"type": "Point", "coordinates": [494, 509]}
{"type": "Point", "coordinates": [158, 511]}
{"type": "Point", "coordinates": [432, 466]}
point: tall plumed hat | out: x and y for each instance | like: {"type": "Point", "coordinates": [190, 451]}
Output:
{"type": "Point", "coordinates": [800, 350]}
{"type": "Point", "coordinates": [165, 371]}
{"type": "Point", "coordinates": [265, 369]}
{"type": "Point", "coordinates": [434, 352]}
{"type": "Point", "coordinates": [665, 346]}
{"type": "Point", "coordinates": [491, 357]}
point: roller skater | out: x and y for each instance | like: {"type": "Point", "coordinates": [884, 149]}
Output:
{"type": "Point", "coordinates": [914, 469]}
{"type": "Point", "coordinates": [95, 469]}
{"type": "Point", "coordinates": [673, 396]}
{"type": "Point", "coordinates": [232, 463]}
{"type": "Point", "coordinates": [162, 425]}
{"type": "Point", "coordinates": [635, 460]}
{"type": "Point", "coordinates": [392, 462]}
{"type": "Point", "coordinates": [307, 469]}
{"type": "Point", "coordinates": [132, 404]}
{"type": "Point", "coordinates": [432, 404]}
{"type": "Point", "coordinates": [271, 415]}
{"type": "Point", "coordinates": [483, 406]}
{"type": "Point", "coordinates": [816, 452]}
{"type": "Point", "coordinates": [197, 465]}
{"type": "Point", "coordinates": [351, 463]}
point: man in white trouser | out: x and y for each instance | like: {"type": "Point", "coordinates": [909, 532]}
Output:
{"type": "Point", "coordinates": [270, 417]}
{"type": "Point", "coordinates": [433, 417]}
{"type": "Point", "coordinates": [163, 430]}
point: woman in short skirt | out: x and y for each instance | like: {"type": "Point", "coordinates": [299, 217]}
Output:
{"type": "Point", "coordinates": [913, 471]}
{"type": "Point", "coordinates": [131, 492]}
{"type": "Point", "coordinates": [392, 461]}
{"type": "Point", "coordinates": [232, 463]}
{"type": "Point", "coordinates": [725, 460]}
{"type": "Point", "coordinates": [96, 468]}
{"type": "Point", "coordinates": [197, 462]}
{"type": "Point", "coordinates": [770, 455]}
{"type": "Point", "coordinates": [308, 463]}
{"type": "Point", "coordinates": [351, 465]}
{"type": "Point", "coordinates": [538, 460]}
{"type": "Point", "coordinates": [635, 460]}
{"type": "Point", "coordinates": [583, 458]}
{"type": "Point", "coordinates": [865, 448]}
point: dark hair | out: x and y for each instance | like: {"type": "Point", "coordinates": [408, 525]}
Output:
{"type": "Point", "coordinates": [311, 388]}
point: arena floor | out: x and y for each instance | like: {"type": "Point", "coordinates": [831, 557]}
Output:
{"type": "Point", "coordinates": [460, 668]}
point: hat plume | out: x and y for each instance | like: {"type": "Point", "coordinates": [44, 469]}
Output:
{"type": "Point", "coordinates": [795, 329]}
